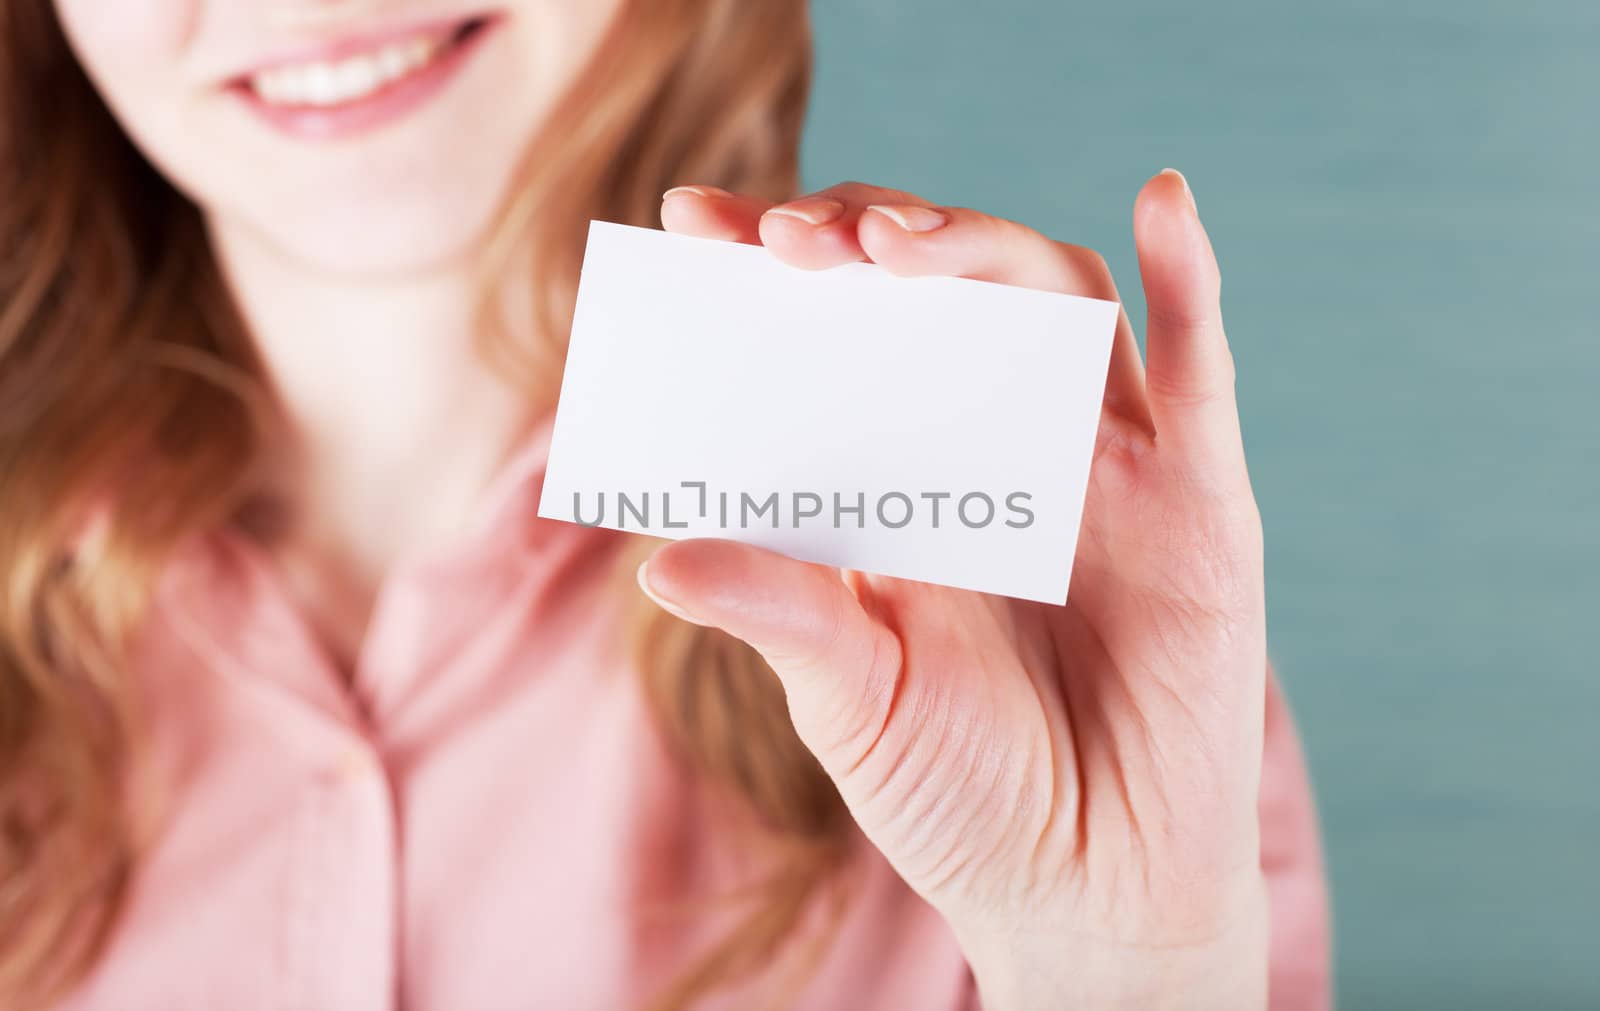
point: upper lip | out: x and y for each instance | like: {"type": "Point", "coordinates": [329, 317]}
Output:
{"type": "Point", "coordinates": [352, 43]}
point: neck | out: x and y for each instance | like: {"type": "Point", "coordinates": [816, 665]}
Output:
{"type": "Point", "coordinates": [396, 425]}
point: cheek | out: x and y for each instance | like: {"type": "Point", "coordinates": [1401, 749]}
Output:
{"type": "Point", "coordinates": [565, 37]}
{"type": "Point", "coordinates": [134, 51]}
{"type": "Point", "coordinates": [118, 40]}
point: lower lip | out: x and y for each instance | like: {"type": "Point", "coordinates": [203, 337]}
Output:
{"type": "Point", "coordinates": [360, 115]}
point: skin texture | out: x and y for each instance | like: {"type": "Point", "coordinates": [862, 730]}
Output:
{"type": "Point", "coordinates": [1075, 788]}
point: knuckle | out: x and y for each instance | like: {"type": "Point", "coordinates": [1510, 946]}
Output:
{"type": "Point", "coordinates": [854, 191]}
{"type": "Point", "coordinates": [1185, 318]}
{"type": "Point", "coordinates": [1214, 385]}
{"type": "Point", "coordinates": [1086, 259]}
{"type": "Point", "coordinates": [1015, 232]}
{"type": "Point", "coordinates": [1087, 271]}
{"type": "Point", "coordinates": [1042, 262]}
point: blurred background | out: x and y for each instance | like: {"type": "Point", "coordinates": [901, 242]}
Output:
{"type": "Point", "coordinates": [1405, 203]}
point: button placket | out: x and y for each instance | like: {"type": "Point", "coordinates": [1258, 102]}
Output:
{"type": "Point", "coordinates": [340, 916]}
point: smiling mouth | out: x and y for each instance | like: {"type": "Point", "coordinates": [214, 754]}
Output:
{"type": "Point", "coordinates": [330, 83]}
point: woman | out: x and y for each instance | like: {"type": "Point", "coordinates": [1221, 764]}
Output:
{"type": "Point", "coordinates": [303, 708]}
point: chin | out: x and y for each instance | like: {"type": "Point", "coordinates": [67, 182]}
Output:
{"type": "Point", "coordinates": [374, 227]}
{"type": "Point", "coordinates": [365, 245]}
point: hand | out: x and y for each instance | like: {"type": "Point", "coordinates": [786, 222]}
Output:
{"type": "Point", "coordinates": [1074, 788]}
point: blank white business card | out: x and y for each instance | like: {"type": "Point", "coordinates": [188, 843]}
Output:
{"type": "Point", "coordinates": [938, 429]}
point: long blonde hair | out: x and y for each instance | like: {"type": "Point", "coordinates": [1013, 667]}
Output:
{"type": "Point", "coordinates": [125, 365]}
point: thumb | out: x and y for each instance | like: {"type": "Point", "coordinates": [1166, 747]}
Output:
{"type": "Point", "coordinates": [839, 666]}
{"type": "Point", "coordinates": [1189, 371]}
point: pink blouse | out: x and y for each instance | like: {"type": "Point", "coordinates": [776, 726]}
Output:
{"type": "Point", "coordinates": [486, 818]}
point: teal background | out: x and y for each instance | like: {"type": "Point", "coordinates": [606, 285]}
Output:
{"type": "Point", "coordinates": [1403, 198]}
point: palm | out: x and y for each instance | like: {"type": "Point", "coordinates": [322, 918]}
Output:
{"type": "Point", "coordinates": [1023, 741]}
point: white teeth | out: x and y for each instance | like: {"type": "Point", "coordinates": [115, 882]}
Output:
{"type": "Point", "coordinates": [340, 81]}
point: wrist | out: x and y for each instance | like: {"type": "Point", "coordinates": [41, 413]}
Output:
{"type": "Point", "coordinates": [1065, 970]}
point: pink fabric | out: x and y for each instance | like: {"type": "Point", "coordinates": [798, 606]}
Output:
{"type": "Point", "coordinates": [487, 820]}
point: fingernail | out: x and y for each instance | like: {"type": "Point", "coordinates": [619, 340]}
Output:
{"type": "Point", "coordinates": [695, 191]}
{"type": "Point", "coordinates": [1187, 192]}
{"type": "Point", "coordinates": [912, 218]}
{"type": "Point", "coordinates": [671, 607]}
{"type": "Point", "coordinates": [811, 210]}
